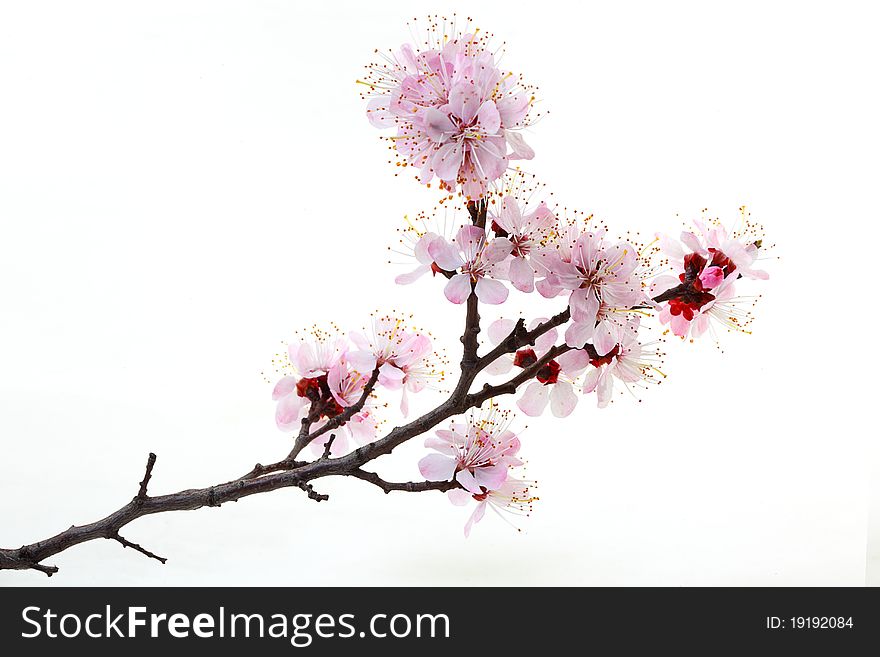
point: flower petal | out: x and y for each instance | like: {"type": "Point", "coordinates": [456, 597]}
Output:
{"type": "Point", "coordinates": [534, 400]}
{"type": "Point", "coordinates": [458, 289]}
{"type": "Point", "coordinates": [437, 467]}
{"type": "Point", "coordinates": [562, 399]}
{"type": "Point", "coordinates": [491, 292]}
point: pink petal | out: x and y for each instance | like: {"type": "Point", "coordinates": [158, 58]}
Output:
{"type": "Point", "coordinates": [420, 250]}
{"type": "Point", "coordinates": [476, 516]}
{"type": "Point", "coordinates": [287, 412]}
{"type": "Point", "coordinates": [496, 251]}
{"type": "Point", "coordinates": [446, 255]}
{"type": "Point", "coordinates": [490, 292]}
{"type": "Point", "coordinates": [690, 241]}
{"type": "Point", "coordinates": [521, 275]}
{"type": "Point", "coordinates": [591, 380]}
{"type": "Point", "coordinates": [466, 479]}
{"type": "Point", "coordinates": [438, 125]}
{"type": "Point", "coordinates": [573, 362]}
{"type": "Point", "coordinates": [362, 361]}
{"type": "Point", "coordinates": [285, 386]}
{"type": "Point", "coordinates": [464, 102]}
{"type": "Point", "coordinates": [437, 467]}
{"type": "Point", "coordinates": [562, 399]}
{"type": "Point", "coordinates": [711, 277]}
{"type": "Point", "coordinates": [520, 150]}
{"type": "Point", "coordinates": [490, 477]}
{"type": "Point", "coordinates": [513, 109]}
{"type": "Point", "coordinates": [447, 160]}
{"type": "Point", "coordinates": [500, 329]}
{"type": "Point", "coordinates": [459, 496]}
{"type": "Point", "coordinates": [584, 305]}
{"type": "Point", "coordinates": [441, 445]}
{"type": "Point", "coordinates": [534, 399]}
{"type": "Point", "coordinates": [604, 338]}
{"type": "Point", "coordinates": [458, 289]}
{"type": "Point", "coordinates": [603, 390]}
{"type": "Point", "coordinates": [412, 276]}
{"type": "Point", "coordinates": [578, 334]}
{"type": "Point", "coordinates": [488, 118]}
{"type": "Point", "coordinates": [378, 114]}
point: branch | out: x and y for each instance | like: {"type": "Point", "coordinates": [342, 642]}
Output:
{"type": "Point", "coordinates": [408, 486]}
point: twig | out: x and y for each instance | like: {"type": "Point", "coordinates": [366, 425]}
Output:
{"type": "Point", "coordinates": [312, 493]}
{"type": "Point", "coordinates": [408, 486]}
{"type": "Point", "coordinates": [126, 543]}
{"type": "Point", "coordinates": [327, 446]}
{"type": "Point", "coordinates": [142, 491]}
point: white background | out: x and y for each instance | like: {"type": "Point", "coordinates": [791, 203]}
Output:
{"type": "Point", "coordinates": [183, 184]}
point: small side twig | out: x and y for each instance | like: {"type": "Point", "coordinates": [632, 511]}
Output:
{"type": "Point", "coordinates": [124, 542]}
{"type": "Point", "coordinates": [312, 493]}
{"type": "Point", "coordinates": [142, 491]}
{"type": "Point", "coordinates": [327, 446]}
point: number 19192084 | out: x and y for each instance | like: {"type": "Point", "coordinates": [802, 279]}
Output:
{"type": "Point", "coordinates": [810, 622]}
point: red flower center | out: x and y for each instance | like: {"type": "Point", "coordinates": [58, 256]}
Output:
{"type": "Point", "coordinates": [498, 230]}
{"type": "Point", "coordinates": [607, 358]}
{"type": "Point", "coordinates": [317, 391]}
{"type": "Point", "coordinates": [549, 373]}
{"type": "Point", "coordinates": [525, 358]}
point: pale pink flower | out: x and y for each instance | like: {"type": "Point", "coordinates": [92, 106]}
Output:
{"type": "Point", "coordinates": [475, 259]}
{"type": "Point", "coordinates": [628, 361]}
{"type": "Point", "coordinates": [347, 385]}
{"type": "Point", "coordinates": [477, 452]}
{"type": "Point", "coordinates": [404, 357]}
{"type": "Point", "coordinates": [706, 265]}
{"type": "Point", "coordinates": [553, 383]}
{"type": "Point", "coordinates": [423, 257]}
{"type": "Point", "coordinates": [323, 381]}
{"type": "Point", "coordinates": [526, 232]}
{"type": "Point", "coordinates": [310, 362]}
{"type": "Point", "coordinates": [455, 111]}
{"type": "Point", "coordinates": [513, 496]}
{"type": "Point", "coordinates": [596, 274]}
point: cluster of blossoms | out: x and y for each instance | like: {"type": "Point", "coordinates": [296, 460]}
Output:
{"type": "Point", "coordinates": [610, 286]}
{"type": "Point", "coordinates": [457, 114]}
{"type": "Point", "coordinates": [707, 263]}
{"type": "Point", "coordinates": [326, 373]}
{"type": "Point", "coordinates": [479, 454]}
{"type": "Point", "coordinates": [458, 118]}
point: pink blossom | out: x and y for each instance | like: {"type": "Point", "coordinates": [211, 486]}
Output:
{"type": "Point", "coordinates": [477, 453]}
{"type": "Point", "coordinates": [310, 362]}
{"type": "Point", "coordinates": [323, 384]}
{"type": "Point", "coordinates": [705, 267]}
{"type": "Point", "coordinates": [553, 383]}
{"type": "Point", "coordinates": [474, 259]}
{"type": "Point", "coordinates": [628, 362]}
{"type": "Point", "coordinates": [513, 496]}
{"type": "Point", "coordinates": [596, 274]}
{"type": "Point", "coordinates": [525, 232]}
{"type": "Point", "coordinates": [422, 256]}
{"type": "Point", "coordinates": [403, 357]}
{"type": "Point", "coordinates": [455, 112]}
